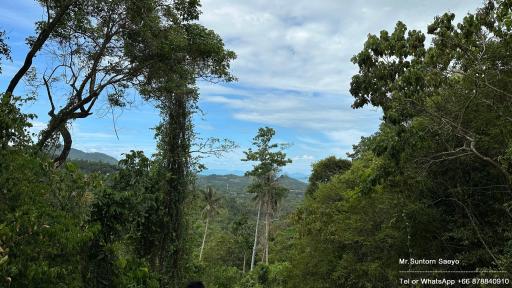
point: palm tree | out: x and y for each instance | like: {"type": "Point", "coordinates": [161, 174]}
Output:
{"type": "Point", "coordinates": [268, 195]}
{"type": "Point", "coordinates": [274, 194]}
{"type": "Point", "coordinates": [210, 209]}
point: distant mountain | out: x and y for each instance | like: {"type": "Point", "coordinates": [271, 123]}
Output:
{"type": "Point", "coordinates": [292, 183]}
{"type": "Point", "coordinates": [76, 154]}
{"type": "Point", "coordinates": [299, 176]}
{"type": "Point", "coordinates": [235, 183]}
{"type": "Point", "coordinates": [234, 186]}
{"type": "Point", "coordinates": [211, 171]}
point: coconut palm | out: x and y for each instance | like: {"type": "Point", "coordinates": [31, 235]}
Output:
{"type": "Point", "coordinates": [210, 209]}
{"type": "Point", "coordinates": [272, 197]}
{"type": "Point", "coordinates": [267, 195]}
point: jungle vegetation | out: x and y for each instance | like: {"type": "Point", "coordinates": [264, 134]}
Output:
{"type": "Point", "coordinates": [433, 182]}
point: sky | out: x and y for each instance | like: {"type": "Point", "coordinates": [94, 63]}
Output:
{"type": "Point", "coordinates": [293, 68]}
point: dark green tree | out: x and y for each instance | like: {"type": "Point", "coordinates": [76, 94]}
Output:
{"type": "Point", "coordinates": [323, 170]}
{"type": "Point", "coordinates": [101, 49]}
{"type": "Point", "coordinates": [434, 181]}
{"type": "Point", "coordinates": [172, 83]}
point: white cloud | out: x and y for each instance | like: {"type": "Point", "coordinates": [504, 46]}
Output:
{"type": "Point", "coordinates": [320, 113]}
{"type": "Point", "coordinates": [294, 64]}
{"type": "Point", "coordinates": [346, 137]}
{"type": "Point", "coordinates": [303, 157]}
{"type": "Point", "coordinates": [79, 133]}
{"type": "Point", "coordinates": [307, 45]}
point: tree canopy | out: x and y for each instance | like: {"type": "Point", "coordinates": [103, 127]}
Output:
{"type": "Point", "coordinates": [434, 181]}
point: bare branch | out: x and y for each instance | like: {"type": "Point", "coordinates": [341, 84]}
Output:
{"type": "Point", "coordinates": [492, 162]}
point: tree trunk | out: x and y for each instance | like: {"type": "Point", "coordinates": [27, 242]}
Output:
{"type": "Point", "coordinates": [66, 148]}
{"type": "Point", "coordinates": [267, 227]}
{"type": "Point", "coordinates": [175, 142]}
{"type": "Point", "coordinates": [243, 268]}
{"type": "Point", "coordinates": [255, 237]}
{"type": "Point", "coordinates": [263, 252]}
{"type": "Point", "coordinates": [56, 124]}
{"type": "Point", "coordinates": [204, 239]}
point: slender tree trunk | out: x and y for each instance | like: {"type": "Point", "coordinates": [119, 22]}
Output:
{"type": "Point", "coordinates": [267, 227]}
{"type": "Point", "coordinates": [255, 237]}
{"type": "Point", "coordinates": [263, 252]}
{"type": "Point", "coordinates": [243, 268]}
{"type": "Point", "coordinates": [204, 239]}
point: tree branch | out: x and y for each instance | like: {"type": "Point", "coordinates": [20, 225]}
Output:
{"type": "Point", "coordinates": [66, 136]}
{"type": "Point", "coordinates": [37, 45]}
{"type": "Point", "coordinates": [48, 91]}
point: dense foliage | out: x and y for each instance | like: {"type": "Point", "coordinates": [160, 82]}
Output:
{"type": "Point", "coordinates": [433, 182]}
{"type": "Point", "coordinates": [127, 227]}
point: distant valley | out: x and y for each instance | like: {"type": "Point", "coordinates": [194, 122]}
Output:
{"type": "Point", "coordinates": [230, 186]}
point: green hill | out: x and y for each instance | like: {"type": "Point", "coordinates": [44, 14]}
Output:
{"type": "Point", "coordinates": [91, 162]}
{"type": "Point", "coordinates": [88, 167]}
{"type": "Point", "coordinates": [76, 154]}
{"type": "Point", "coordinates": [235, 187]}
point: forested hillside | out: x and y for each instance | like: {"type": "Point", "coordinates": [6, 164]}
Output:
{"type": "Point", "coordinates": [433, 182]}
{"type": "Point", "coordinates": [75, 154]}
{"type": "Point", "coordinates": [233, 186]}
{"type": "Point", "coordinates": [236, 185]}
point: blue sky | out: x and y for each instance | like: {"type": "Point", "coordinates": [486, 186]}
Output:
{"type": "Point", "coordinates": [293, 68]}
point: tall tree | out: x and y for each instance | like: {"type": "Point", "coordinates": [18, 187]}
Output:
{"type": "Point", "coordinates": [270, 158]}
{"type": "Point", "coordinates": [459, 79]}
{"type": "Point", "coordinates": [455, 93]}
{"type": "Point", "coordinates": [101, 49]}
{"type": "Point", "coordinates": [197, 53]}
